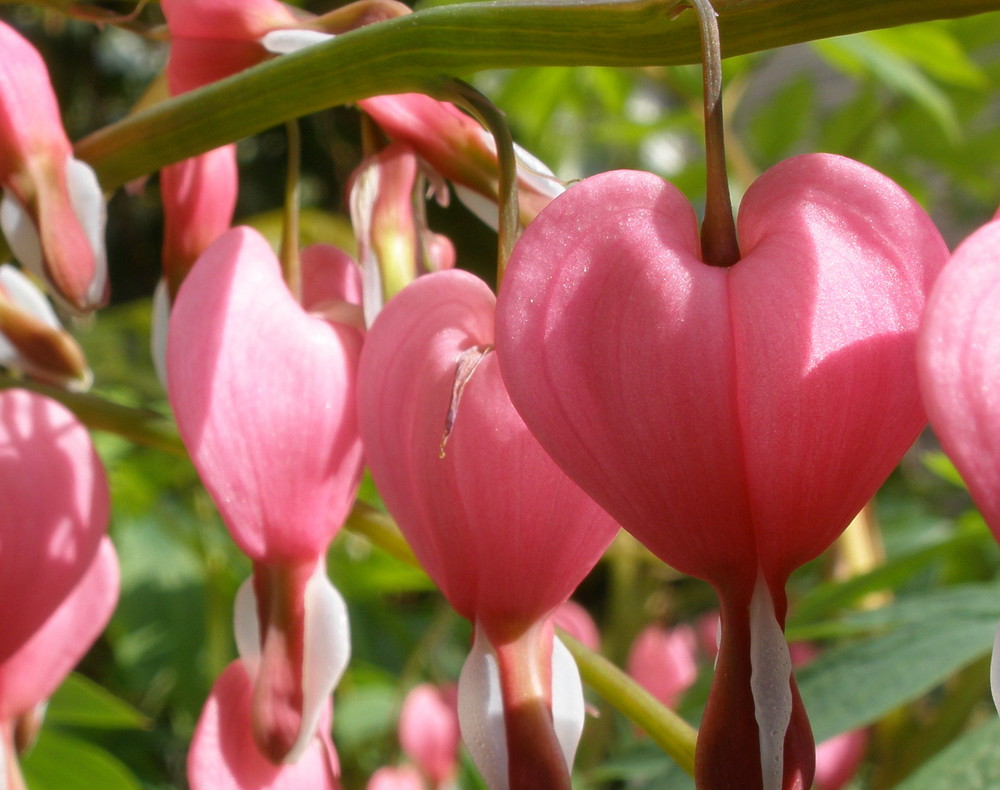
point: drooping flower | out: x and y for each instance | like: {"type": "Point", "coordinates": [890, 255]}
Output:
{"type": "Point", "coordinates": [264, 395]}
{"type": "Point", "coordinates": [959, 355]}
{"type": "Point", "coordinates": [47, 542]}
{"type": "Point", "coordinates": [52, 212]}
{"type": "Point", "coordinates": [503, 533]}
{"type": "Point", "coordinates": [662, 661]}
{"type": "Point", "coordinates": [58, 571]}
{"type": "Point", "coordinates": [429, 731]}
{"type": "Point", "coordinates": [733, 419]}
{"type": "Point", "coordinates": [224, 754]}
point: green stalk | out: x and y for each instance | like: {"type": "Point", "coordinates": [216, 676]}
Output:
{"type": "Point", "coordinates": [493, 119]}
{"type": "Point", "coordinates": [411, 53]}
{"type": "Point", "coordinates": [668, 730]}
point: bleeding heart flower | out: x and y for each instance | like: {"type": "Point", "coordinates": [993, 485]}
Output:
{"type": "Point", "coordinates": [264, 395]}
{"type": "Point", "coordinates": [224, 756]}
{"type": "Point", "coordinates": [959, 353]}
{"type": "Point", "coordinates": [504, 534]}
{"type": "Point", "coordinates": [58, 572]}
{"type": "Point", "coordinates": [199, 198]}
{"type": "Point", "coordinates": [428, 731]}
{"type": "Point", "coordinates": [387, 214]}
{"type": "Point", "coordinates": [733, 419]}
{"type": "Point", "coordinates": [662, 661]}
{"type": "Point", "coordinates": [47, 542]}
{"type": "Point", "coordinates": [52, 211]}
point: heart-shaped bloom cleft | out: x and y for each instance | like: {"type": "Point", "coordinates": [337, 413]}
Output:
{"type": "Point", "coordinates": [959, 355]}
{"type": "Point", "coordinates": [733, 419]}
{"type": "Point", "coordinates": [500, 529]}
{"type": "Point", "coordinates": [58, 570]}
{"type": "Point", "coordinates": [264, 396]}
{"type": "Point", "coordinates": [53, 211]}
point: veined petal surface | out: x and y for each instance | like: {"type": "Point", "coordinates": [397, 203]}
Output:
{"type": "Point", "coordinates": [264, 395]}
{"type": "Point", "coordinates": [503, 532]}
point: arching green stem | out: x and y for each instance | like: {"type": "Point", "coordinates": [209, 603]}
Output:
{"type": "Point", "coordinates": [493, 119]}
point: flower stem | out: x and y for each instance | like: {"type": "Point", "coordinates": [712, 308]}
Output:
{"type": "Point", "coordinates": [668, 730]}
{"type": "Point", "coordinates": [534, 757]}
{"type": "Point", "coordinates": [493, 119]}
{"type": "Point", "coordinates": [719, 243]}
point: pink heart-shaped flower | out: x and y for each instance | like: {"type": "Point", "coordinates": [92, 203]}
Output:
{"type": "Point", "coordinates": [733, 419]}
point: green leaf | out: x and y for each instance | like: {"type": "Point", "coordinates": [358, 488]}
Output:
{"type": "Point", "coordinates": [867, 55]}
{"type": "Point", "coordinates": [81, 702]}
{"type": "Point", "coordinates": [931, 637]}
{"type": "Point", "coordinates": [972, 763]}
{"type": "Point", "coordinates": [941, 465]}
{"type": "Point", "coordinates": [828, 597]}
{"type": "Point", "coordinates": [63, 762]}
{"type": "Point", "coordinates": [935, 50]}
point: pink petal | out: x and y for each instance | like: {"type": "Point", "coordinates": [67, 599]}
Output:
{"type": "Point", "coordinates": [264, 398]}
{"type": "Point", "coordinates": [577, 622]}
{"type": "Point", "coordinates": [331, 285]}
{"type": "Point", "coordinates": [199, 198]}
{"type": "Point", "coordinates": [662, 661]}
{"type": "Point", "coordinates": [53, 210]}
{"type": "Point", "coordinates": [717, 411]}
{"type": "Point", "coordinates": [54, 506]}
{"type": "Point", "coordinates": [959, 357]}
{"type": "Point", "coordinates": [428, 731]}
{"type": "Point", "coordinates": [493, 521]}
{"type": "Point", "coordinates": [224, 756]}
{"type": "Point", "coordinates": [244, 20]}
{"type": "Point", "coordinates": [405, 777]}
{"type": "Point", "coordinates": [838, 758]}
{"type": "Point", "coordinates": [32, 673]}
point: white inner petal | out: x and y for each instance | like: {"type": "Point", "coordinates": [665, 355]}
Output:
{"type": "Point", "coordinates": [87, 200]}
{"type": "Point", "coordinates": [480, 205]}
{"type": "Point", "coordinates": [480, 709]}
{"type": "Point", "coordinates": [327, 646]}
{"type": "Point", "coordinates": [21, 234]}
{"type": "Point", "coordinates": [362, 199]}
{"type": "Point", "coordinates": [995, 670]}
{"type": "Point", "coordinates": [480, 712]}
{"type": "Point", "coordinates": [770, 676]}
{"type": "Point", "coordinates": [26, 295]}
{"type": "Point", "coordinates": [158, 330]}
{"type": "Point", "coordinates": [246, 628]}
{"type": "Point", "coordinates": [327, 651]}
{"type": "Point", "coordinates": [568, 709]}
{"type": "Point", "coordinates": [283, 42]}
